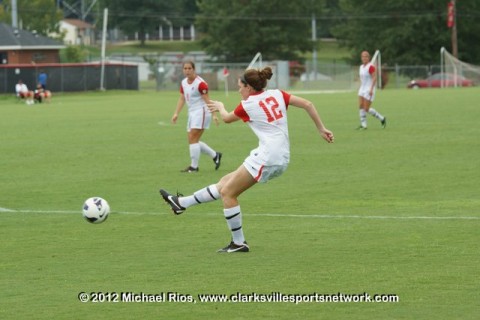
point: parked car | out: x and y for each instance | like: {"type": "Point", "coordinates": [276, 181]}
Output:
{"type": "Point", "coordinates": [435, 81]}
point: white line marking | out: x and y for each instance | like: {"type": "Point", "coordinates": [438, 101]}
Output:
{"type": "Point", "coordinates": [284, 215]}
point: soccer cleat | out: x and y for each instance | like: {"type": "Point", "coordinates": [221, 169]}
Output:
{"type": "Point", "coordinates": [361, 128]}
{"type": "Point", "coordinates": [217, 160]}
{"type": "Point", "coordinates": [384, 122]}
{"type": "Point", "coordinates": [233, 247]}
{"type": "Point", "coordinates": [189, 169]}
{"type": "Point", "coordinates": [172, 201]}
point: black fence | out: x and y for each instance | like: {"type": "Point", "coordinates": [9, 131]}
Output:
{"type": "Point", "coordinates": [70, 77]}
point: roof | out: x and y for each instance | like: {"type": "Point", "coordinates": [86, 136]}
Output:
{"type": "Point", "coordinates": [78, 23]}
{"type": "Point", "coordinates": [14, 39]}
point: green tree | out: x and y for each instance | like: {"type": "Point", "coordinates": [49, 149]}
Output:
{"type": "Point", "coordinates": [144, 16]}
{"type": "Point", "coordinates": [409, 31]}
{"type": "Point", "coordinates": [237, 30]}
{"type": "Point", "coordinates": [40, 15]}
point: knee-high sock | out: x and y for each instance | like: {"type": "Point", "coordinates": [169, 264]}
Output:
{"type": "Point", "coordinates": [375, 113]}
{"type": "Point", "coordinates": [194, 154]}
{"type": "Point", "coordinates": [207, 150]}
{"type": "Point", "coordinates": [204, 195]}
{"type": "Point", "coordinates": [363, 118]}
{"type": "Point", "coordinates": [234, 222]}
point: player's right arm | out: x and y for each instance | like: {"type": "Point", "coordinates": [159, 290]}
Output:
{"type": "Point", "coordinates": [180, 104]}
{"type": "Point", "coordinates": [227, 117]}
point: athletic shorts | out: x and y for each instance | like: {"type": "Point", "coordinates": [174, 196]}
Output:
{"type": "Point", "coordinates": [365, 93]}
{"type": "Point", "coordinates": [199, 119]}
{"type": "Point", "coordinates": [263, 173]}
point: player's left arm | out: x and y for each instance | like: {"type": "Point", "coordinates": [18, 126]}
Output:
{"type": "Point", "coordinates": [308, 106]}
{"type": "Point", "coordinates": [207, 100]}
{"type": "Point", "coordinates": [373, 73]}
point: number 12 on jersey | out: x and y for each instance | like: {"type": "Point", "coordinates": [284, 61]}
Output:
{"type": "Point", "coordinates": [270, 106]}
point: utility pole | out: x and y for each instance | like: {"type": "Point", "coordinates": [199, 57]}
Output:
{"type": "Point", "coordinates": [314, 40]}
{"type": "Point", "coordinates": [14, 14]}
{"type": "Point", "coordinates": [454, 29]}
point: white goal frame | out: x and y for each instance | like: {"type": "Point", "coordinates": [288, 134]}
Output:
{"type": "Point", "coordinates": [377, 56]}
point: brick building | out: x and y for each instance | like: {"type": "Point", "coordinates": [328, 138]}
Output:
{"type": "Point", "coordinates": [26, 47]}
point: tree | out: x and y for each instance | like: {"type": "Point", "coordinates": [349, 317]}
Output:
{"type": "Point", "coordinates": [237, 30]}
{"type": "Point", "coordinates": [409, 31]}
{"type": "Point", "coordinates": [144, 16]}
{"type": "Point", "coordinates": [40, 15]}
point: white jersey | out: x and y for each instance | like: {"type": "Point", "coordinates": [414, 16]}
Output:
{"type": "Point", "coordinates": [266, 114]}
{"type": "Point", "coordinates": [21, 88]}
{"type": "Point", "coordinates": [193, 93]}
{"type": "Point", "coordinates": [366, 80]}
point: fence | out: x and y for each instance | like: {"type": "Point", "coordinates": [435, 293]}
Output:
{"type": "Point", "coordinates": [166, 74]}
{"type": "Point", "coordinates": [70, 77]}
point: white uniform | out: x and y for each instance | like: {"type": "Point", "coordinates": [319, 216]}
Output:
{"type": "Point", "coordinates": [266, 114]}
{"type": "Point", "coordinates": [366, 81]}
{"type": "Point", "coordinates": [21, 89]}
{"type": "Point", "coordinates": [198, 115]}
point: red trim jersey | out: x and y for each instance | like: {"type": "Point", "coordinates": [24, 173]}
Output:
{"type": "Point", "coordinates": [365, 72]}
{"type": "Point", "coordinates": [193, 93]}
{"type": "Point", "coordinates": [266, 113]}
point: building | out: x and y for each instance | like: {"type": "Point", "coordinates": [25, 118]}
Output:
{"type": "Point", "coordinates": [27, 47]}
{"type": "Point", "coordinates": [77, 32]}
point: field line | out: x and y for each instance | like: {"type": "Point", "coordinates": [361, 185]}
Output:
{"type": "Point", "coordinates": [275, 215]}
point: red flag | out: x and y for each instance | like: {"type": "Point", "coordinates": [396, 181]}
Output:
{"type": "Point", "coordinates": [226, 73]}
{"type": "Point", "coordinates": [451, 14]}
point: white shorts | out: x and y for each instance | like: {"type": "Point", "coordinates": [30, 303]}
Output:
{"type": "Point", "coordinates": [199, 119]}
{"type": "Point", "coordinates": [263, 173]}
{"type": "Point", "coordinates": [365, 93]}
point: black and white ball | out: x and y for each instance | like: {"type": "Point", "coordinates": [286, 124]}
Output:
{"type": "Point", "coordinates": [96, 210]}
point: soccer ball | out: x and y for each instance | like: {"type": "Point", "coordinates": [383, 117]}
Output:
{"type": "Point", "coordinates": [96, 210]}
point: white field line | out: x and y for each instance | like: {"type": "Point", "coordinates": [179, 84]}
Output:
{"type": "Point", "coordinates": [280, 215]}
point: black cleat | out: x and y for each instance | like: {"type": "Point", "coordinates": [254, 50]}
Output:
{"type": "Point", "coordinates": [233, 247]}
{"type": "Point", "coordinates": [384, 122]}
{"type": "Point", "coordinates": [172, 201]}
{"type": "Point", "coordinates": [189, 169]}
{"type": "Point", "coordinates": [217, 160]}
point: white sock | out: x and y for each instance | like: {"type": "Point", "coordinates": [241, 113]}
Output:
{"type": "Point", "coordinates": [206, 149]}
{"type": "Point", "coordinates": [194, 154]}
{"type": "Point", "coordinates": [374, 113]}
{"type": "Point", "coordinates": [204, 195]}
{"type": "Point", "coordinates": [363, 118]}
{"type": "Point", "coordinates": [234, 221]}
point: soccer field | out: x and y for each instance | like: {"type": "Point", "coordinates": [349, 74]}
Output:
{"type": "Point", "coordinates": [383, 213]}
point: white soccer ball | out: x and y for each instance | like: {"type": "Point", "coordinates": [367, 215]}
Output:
{"type": "Point", "coordinates": [96, 210]}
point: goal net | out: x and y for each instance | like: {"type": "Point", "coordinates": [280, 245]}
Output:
{"type": "Point", "coordinates": [456, 73]}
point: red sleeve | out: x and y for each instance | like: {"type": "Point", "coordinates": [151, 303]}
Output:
{"type": "Point", "coordinates": [203, 88]}
{"type": "Point", "coordinates": [371, 69]}
{"type": "Point", "coordinates": [181, 89]}
{"type": "Point", "coordinates": [241, 113]}
{"type": "Point", "coordinates": [286, 98]}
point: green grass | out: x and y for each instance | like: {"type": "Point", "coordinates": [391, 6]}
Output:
{"type": "Point", "coordinates": [391, 211]}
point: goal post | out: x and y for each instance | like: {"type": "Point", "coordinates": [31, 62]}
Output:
{"type": "Point", "coordinates": [256, 61]}
{"type": "Point", "coordinates": [377, 62]}
{"type": "Point", "coordinates": [456, 70]}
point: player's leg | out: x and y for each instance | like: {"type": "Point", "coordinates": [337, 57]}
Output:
{"type": "Point", "coordinates": [362, 113]}
{"type": "Point", "coordinates": [230, 189]}
{"type": "Point", "coordinates": [194, 136]}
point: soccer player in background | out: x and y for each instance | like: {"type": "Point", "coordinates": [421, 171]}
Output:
{"type": "Point", "coordinates": [366, 92]}
{"type": "Point", "coordinates": [194, 92]}
{"type": "Point", "coordinates": [265, 111]}
{"type": "Point", "coordinates": [22, 92]}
